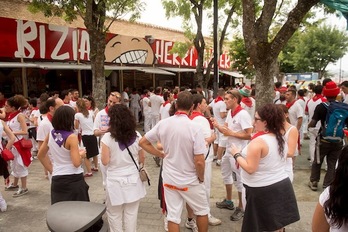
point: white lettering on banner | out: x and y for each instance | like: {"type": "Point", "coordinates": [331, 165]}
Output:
{"type": "Point", "coordinates": [167, 45]}
{"type": "Point", "coordinates": [84, 46]}
{"type": "Point", "coordinates": [159, 50]}
{"type": "Point", "coordinates": [42, 41]}
{"type": "Point", "coordinates": [59, 45]}
{"type": "Point", "coordinates": [23, 38]}
{"type": "Point", "coordinates": [75, 35]}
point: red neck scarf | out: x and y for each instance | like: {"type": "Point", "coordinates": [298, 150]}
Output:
{"type": "Point", "coordinates": [49, 117]}
{"type": "Point", "coordinates": [165, 103]}
{"type": "Point", "coordinates": [289, 104]}
{"type": "Point", "coordinates": [257, 134]}
{"type": "Point", "coordinates": [66, 103]}
{"type": "Point", "coordinates": [12, 115]}
{"type": "Point", "coordinates": [319, 96]}
{"type": "Point", "coordinates": [301, 98]}
{"type": "Point", "coordinates": [218, 99]}
{"type": "Point", "coordinates": [195, 114]}
{"type": "Point", "coordinates": [181, 113]}
{"type": "Point", "coordinates": [247, 101]}
{"type": "Point", "coordinates": [89, 108]}
{"type": "Point", "coordinates": [107, 109]}
{"type": "Point", "coordinates": [236, 111]}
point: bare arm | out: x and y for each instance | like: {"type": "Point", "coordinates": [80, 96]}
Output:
{"type": "Point", "coordinates": [254, 153]}
{"type": "Point", "coordinates": [75, 154]}
{"type": "Point", "coordinates": [141, 155]}
{"type": "Point", "coordinates": [211, 139]}
{"type": "Point", "coordinates": [105, 154]}
{"type": "Point", "coordinates": [148, 147]}
{"type": "Point", "coordinates": [292, 142]}
{"type": "Point", "coordinates": [199, 162]}
{"type": "Point", "coordinates": [43, 157]}
{"type": "Point", "coordinates": [244, 134]}
{"type": "Point", "coordinates": [319, 223]}
{"type": "Point", "coordinates": [223, 114]}
{"type": "Point", "coordinates": [312, 123]}
{"type": "Point", "coordinates": [76, 124]}
{"type": "Point", "coordinates": [24, 128]}
{"type": "Point", "coordinates": [10, 135]}
{"type": "Point", "coordinates": [299, 123]}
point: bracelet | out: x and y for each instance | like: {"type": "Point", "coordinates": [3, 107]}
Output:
{"type": "Point", "coordinates": [235, 156]}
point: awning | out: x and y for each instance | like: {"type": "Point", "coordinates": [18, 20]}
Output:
{"type": "Point", "coordinates": [155, 71]}
{"type": "Point", "coordinates": [116, 68]}
{"type": "Point", "coordinates": [17, 65]}
{"type": "Point", "coordinates": [70, 66]}
{"type": "Point", "coordinates": [179, 70]}
{"type": "Point", "coordinates": [231, 73]}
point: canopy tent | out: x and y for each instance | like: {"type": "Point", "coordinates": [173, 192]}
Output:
{"type": "Point", "coordinates": [232, 73]}
{"type": "Point", "coordinates": [178, 70]}
{"type": "Point", "coordinates": [339, 5]}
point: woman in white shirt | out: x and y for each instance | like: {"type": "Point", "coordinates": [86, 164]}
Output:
{"type": "Point", "coordinates": [124, 189]}
{"type": "Point", "coordinates": [84, 123]}
{"type": "Point", "coordinates": [332, 209]}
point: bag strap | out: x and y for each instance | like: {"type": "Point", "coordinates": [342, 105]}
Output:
{"type": "Point", "coordinates": [208, 152]}
{"type": "Point", "coordinates": [13, 133]}
{"type": "Point", "coordinates": [130, 154]}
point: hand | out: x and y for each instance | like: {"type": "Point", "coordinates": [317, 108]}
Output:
{"type": "Point", "coordinates": [235, 149]}
{"type": "Point", "coordinates": [82, 152]}
{"type": "Point", "coordinates": [226, 131]}
{"type": "Point", "coordinates": [214, 122]}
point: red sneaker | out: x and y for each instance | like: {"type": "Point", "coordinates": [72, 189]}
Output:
{"type": "Point", "coordinates": [88, 175]}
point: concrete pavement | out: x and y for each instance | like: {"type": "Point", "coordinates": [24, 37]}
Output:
{"type": "Point", "coordinates": [28, 212]}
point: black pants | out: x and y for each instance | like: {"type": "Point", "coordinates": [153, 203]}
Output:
{"type": "Point", "coordinates": [331, 151]}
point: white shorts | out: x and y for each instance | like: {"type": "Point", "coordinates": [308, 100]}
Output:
{"type": "Point", "coordinates": [195, 197]}
{"type": "Point", "coordinates": [220, 139]}
{"type": "Point", "coordinates": [230, 172]}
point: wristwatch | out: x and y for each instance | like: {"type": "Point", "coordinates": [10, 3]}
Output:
{"type": "Point", "coordinates": [235, 156]}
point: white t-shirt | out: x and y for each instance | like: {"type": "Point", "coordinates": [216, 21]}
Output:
{"type": "Point", "coordinates": [146, 107]}
{"type": "Point", "coordinates": [156, 102]}
{"type": "Point", "coordinates": [311, 104]}
{"type": "Point", "coordinates": [164, 111]}
{"type": "Point", "coordinates": [250, 109]}
{"type": "Point", "coordinates": [180, 144]}
{"type": "Point", "coordinates": [134, 102]}
{"type": "Point", "coordinates": [324, 196]}
{"type": "Point", "coordinates": [205, 126]}
{"type": "Point", "coordinates": [241, 121]}
{"type": "Point", "coordinates": [86, 123]}
{"type": "Point", "coordinates": [125, 97]}
{"type": "Point", "coordinates": [101, 121]}
{"type": "Point", "coordinates": [295, 112]}
{"type": "Point", "coordinates": [43, 129]}
{"type": "Point", "coordinates": [218, 107]}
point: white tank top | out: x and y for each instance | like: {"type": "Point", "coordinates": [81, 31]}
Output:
{"type": "Point", "coordinates": [271, 167]}
{"type": "Point", "coordinates": [62, 164]}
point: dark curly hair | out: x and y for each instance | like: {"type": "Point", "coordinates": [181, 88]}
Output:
{"type": "Point", "coordinates": [336, 207]}
{"type": "Point", "coordinates": [122, 123]}
{"type": "Point", "coordinates": [274, 117]}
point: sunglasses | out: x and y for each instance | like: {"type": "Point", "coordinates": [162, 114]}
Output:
{"type": "Point", "coordinates": [257, 119]}
{"type": "Point", "coordinates": [115, 95]}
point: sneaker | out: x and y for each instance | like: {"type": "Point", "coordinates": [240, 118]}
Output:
{"type": "Point", "coordinates": [215, 158]}
{"type": "Point", "coordinates": [313, 185]}
{"type": "Point", "coordinates": [165, 223]}
{"type": "Point", "coordinates": [191, 225]}
{"type": "Point", "coordinates": [237, 214]}
{"type": "Point", "coordinates": [218, 162]}
{"type": "Point", "coordinates": [3, 205]}
{"type": "Point", "coordinates": [88, 175]}
{"type": "Point", "coordinates": [11, 187]}
{"type": "Point", "coordinates": [225, 204]}
{"type": "Point", "coordinates": [20, 192]}
{"type": "Point", "coordinates": [213, 221]}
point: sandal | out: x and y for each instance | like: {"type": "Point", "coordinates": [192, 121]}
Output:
{"type": "Point", "coordinates": [95, 169]}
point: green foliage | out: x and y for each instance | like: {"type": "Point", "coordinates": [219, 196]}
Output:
{"type": "Point", "coordinates": [318, 47]}
{"type": "Point", "coordinates": [240, 59]}
{"type": "Point", "coordinates": [181, 48]}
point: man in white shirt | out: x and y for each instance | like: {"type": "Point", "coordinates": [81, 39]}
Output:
{"type": "Point", "coordinates": [183, 166]}
{"type": "Point", "coordinates": [135, 104]}
{"type": "Point", "coordinates": [309, 110]}
{"type": "Point", "coordinates": [344, 88]}
{"type": "Point", "coordinates": [219, 110]}
{"type": "Point", "coordinates": [156, 100]}
{"type": "Point", "coordinates": [146, 110]}
{"type": "Point", "coordinates": [125, 97]}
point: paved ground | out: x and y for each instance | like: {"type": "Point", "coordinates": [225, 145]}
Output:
{"type": "Point", "coordinates": [28, 213]}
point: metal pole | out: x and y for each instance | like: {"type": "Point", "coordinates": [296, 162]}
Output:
{"type": "Point", "coordinates": [216, 49]}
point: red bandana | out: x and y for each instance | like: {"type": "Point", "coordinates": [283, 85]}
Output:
{"type": "Point", "coordinates": [218, 99]}
{"type": "Point", "coordinates": [289, 104]}
{"type": "Point", "coordinates": [165, 103]}
{"type": "Point", "coordinates": [66, 103]}
{"type": "Point", "coordinates": [195, 114]}
{"type": "Point", "coordinates": [257, 134]}
{"type": "Point", "coordinates": [181, 113]}
{"type": "Point", "coordinates": [107, 109]}
{"type": "Point", "coordinates": [12, 115]}
{"type": "Point", "coordinates": [49, 117]}
{"type": "Point", "coordinates": [236, 111]}
{"type": "Point", "coordinates": [319, 96]}
{"type": "Point", "coordinates": [247, 101]}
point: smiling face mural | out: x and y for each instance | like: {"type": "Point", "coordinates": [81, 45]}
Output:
{"type": "Point", "coordinates": [128, 50]}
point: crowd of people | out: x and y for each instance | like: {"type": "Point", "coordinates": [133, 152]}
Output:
{"type": "Point", "coordinates": [186, 130]}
